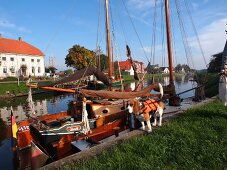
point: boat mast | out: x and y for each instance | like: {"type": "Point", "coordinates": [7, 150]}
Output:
{"type": "Point", "coordinates": [169, 44]}
{"type": "Point", "coordinates": [109, 53]}
{"type": "Point", "coordinates": [173, 99]}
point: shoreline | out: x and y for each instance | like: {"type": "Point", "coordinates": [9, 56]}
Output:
{"type": "Point", "coordinates": [96, 150]}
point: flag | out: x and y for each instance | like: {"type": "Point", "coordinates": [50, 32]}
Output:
{"type": "Point", "coordinates": [38, 157]}
{"type": "Point", "coordinates": [14, 130]}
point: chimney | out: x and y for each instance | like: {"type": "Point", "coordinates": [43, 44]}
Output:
{"type": "Point", "coordinates": [20, 39]}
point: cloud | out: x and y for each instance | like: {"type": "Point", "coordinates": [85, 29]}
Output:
{"type": "Point", "coordinates": [142, 5]}
{"type": "Point", "coordinates": [6, 24]}
{"type": "Point", "coordinates": [212, 38]}
{"type": "Point", "coordinates": [141, 19]}
{"type": "Point", "coordinates": [6, 34]}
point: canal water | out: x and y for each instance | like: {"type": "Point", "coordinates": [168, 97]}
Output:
{"type": "Point", "coordinates": [53, 103]}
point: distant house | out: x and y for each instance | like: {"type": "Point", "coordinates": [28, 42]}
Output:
{"type": "Point", "coordinates": [18, 58]}
{"type": "Point", "coordinates": [152, 69]}
{"type": "Point", "coordinates": [164, 70]}
{"type": "Point", "coordinates": [127, 66]}
{"type": "Point", "coordinates": [182, 70]}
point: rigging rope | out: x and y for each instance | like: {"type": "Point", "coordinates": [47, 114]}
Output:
{"type": "Point", "coordinates": [97, 47]}
{"type": "Point", "coordinates": [135, 30]}
{"type": "Point", "coordinates": [196, 33]}
{"type": "Point", "coordinates": [122, 27]}
{"type": "Point", "coordinates": [184, 34]}
{"type": "Point", "coordinates": [59, 28]}
{"type": "Point", "coordinates": [97, 36]}
{"type": "Point", "coordinates": [114, 42]}
{"type": "Point", "coordinates": [162, 33]}
{"type": "Point", "coordinates": [173, 38]}
{"type": "Point", "coordinates": [153, 43]}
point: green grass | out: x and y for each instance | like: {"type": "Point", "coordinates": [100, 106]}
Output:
{"type": "Point", "coordinates": [195, 140]}
{"type": "Point", "coordinates": [13, 88]}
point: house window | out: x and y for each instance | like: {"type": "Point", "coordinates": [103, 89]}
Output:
{"type": "Point", "coordinates": [38, 60]}
{"type": "Point", "coordinates": [11, 59]}
{"type": "Point", "coordinates": [4, 69]}
{"type": "Point", "coordinates": [23, 59]}
{"type": "Point", "coordinates": [32, 60]}
{"type": "Point", "coordinates": [12, 69]}
{"type": "Point", "coordinates": [39, 69]}
{"type": "Point", "coordinates": [3, 58]}
{"type": "Point", "coordinates": [33, 69]}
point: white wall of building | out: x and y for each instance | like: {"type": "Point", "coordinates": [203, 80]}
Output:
{"type": "Point", "coordinates": [131, 71]}
{"type": "Point", "coordinates": [10, 65]}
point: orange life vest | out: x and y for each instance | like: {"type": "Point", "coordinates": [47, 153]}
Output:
{"type": "Point", "coordinates": [150, 105]}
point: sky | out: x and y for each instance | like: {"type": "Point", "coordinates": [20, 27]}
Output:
{"type": "Point", "coordinates": [54, 26]}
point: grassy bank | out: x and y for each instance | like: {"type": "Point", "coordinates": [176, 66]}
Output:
{"type": "Point", "coordinates": [13, 88]}
{"type": "Point", "coordinates": [195, 140]}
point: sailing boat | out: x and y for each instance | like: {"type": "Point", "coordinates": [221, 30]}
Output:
{"type": "Point", "coordinates": [94, 119]}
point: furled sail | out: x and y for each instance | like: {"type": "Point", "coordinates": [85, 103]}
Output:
{"type": "Point", "coordinates": [118, 94]}
{"type": "Point", "coordinates": [80, 74]}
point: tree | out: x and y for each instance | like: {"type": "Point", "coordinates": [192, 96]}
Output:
{"type": "Point", "coordinates": [79, 57]}
{"type": "Point", "coordinates": [52, 69]}
{"type": "Point", "coordinates": [178, 68]}
{"type": "Point", "coordinates": [68, 72]}
{"type": "Point", "coordinates": [186, 68]}
{"type": "Point", "coordinates": [103, 62]}
{"type": "Point", "coordinates": [153, 69]}
{"type": "Point", "coordinates": [215, 63]}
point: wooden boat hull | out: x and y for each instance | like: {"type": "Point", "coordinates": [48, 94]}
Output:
{"type": "Point", "coordinates": [99, 127]}
{"type": "Point", "coordinates": [46, 132]}
{"type": "Point", "coordinates": [47, 136]}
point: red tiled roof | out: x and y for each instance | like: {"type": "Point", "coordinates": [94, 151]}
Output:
{"type": "Point", "coordinates": [125, 65]}
{"type": "Point", "coordinates": [18, 47]}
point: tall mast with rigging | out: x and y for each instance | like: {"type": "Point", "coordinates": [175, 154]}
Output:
{"type": "Point", "coordinates": [109, 53]}
{"type": "Point", "coordinates": [169, 44]}
{"type": "Point", "coordinates": [173, 99]}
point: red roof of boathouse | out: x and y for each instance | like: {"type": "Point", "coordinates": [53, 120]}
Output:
{"type": "Point", "coordinates": [18, 47]}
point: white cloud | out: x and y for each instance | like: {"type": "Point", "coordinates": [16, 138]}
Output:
{"type": "Point", "coordinates": [6, 24]}
{"type": "Point", "coordinates": [142, 4]}
{"type": "Point", "coordinates": [212, 38]}
{"type": "Point", "coordinates": [6, 34]}
{"type": "Point", "coordinates": [140, 19]}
